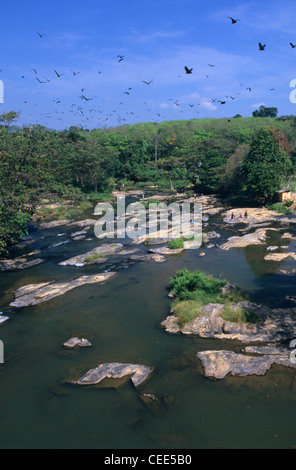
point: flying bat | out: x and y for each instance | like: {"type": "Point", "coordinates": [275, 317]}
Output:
{"type": "Point", "coordinates": [187, 70]}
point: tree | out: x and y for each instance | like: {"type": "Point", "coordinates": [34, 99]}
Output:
{"type": "Point", "coordinates": [8, 118]}
{"type": "Point", "coordinates": [230, 177]}
{"type": "Point", "coordinates": [265, 112]}
{"type": "Point", "coordinates": [209, 169]}
{"type": "Point", "coordinates": [267, 165]}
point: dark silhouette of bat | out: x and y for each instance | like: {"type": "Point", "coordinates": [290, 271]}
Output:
{"type": "Point", "coordinates": [147, 83]}
{"type": "Point", "coordinates": [39, 80]}
{"type": "Point", "coordinates": [292, 45]}
{"type": "Point", "coordinates": [187, 70]}
{"type": "Point", "coordinates": [261, 46]}
{"type": "Point", "coordinates": [74, 73]}
{"type": "Point", "coordinates": [40, 35]}
{"type": "Point", "coordinates": [58, 74]}
{"type": "Point", "coordinates": [233, 21]}
{"type": "Point", "coordinates": [84, 98]}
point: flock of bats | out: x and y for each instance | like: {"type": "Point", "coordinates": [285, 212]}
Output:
{"type": "Point", "coordinates": [87, 116]}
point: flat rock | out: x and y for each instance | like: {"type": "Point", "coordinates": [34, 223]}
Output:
{"type": "Point", "coordinates": [212, 234]}
{"type": "Point", "coordinates": [205, 326]}
{"type": "Point", "coordinates": [255, 215]}
{"type": "Point", "coordinates": [82, 223]}
{"type": "Point", "coordinates": [18, 263]}
{"type": "Point", "coordinates": [72, 342]}
{"type": "Point", "coordinates": [53, 224]}
{"type": "Point", "coordinates": [256, 238]}
{"type": "Point", "coordinates": [79, 233]}
{"type": "Point", "coordinates": [149, 257]}
{"type": "Point", "coordinates": [115, 370]}
{"type": "Point", "coordinates": [105, 249]}
{"type": "Point", "coordinates": [23, 244]}
{"type": "Point", "coordinates": [279, 256]}
{"type": "Point", "coordinates": [218, 364]}
{"type": "Point", "coordinates": [166, 250]}
{"type": "Point", "coordinates": [3, 318]}
{"type": "Point", "coordinates": [34, 294]}
{"type": "Point", "coordinates": [155, 241]}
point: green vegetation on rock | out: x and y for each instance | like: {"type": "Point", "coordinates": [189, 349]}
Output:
{"type": "Point", "coordinates": [194, 290]}
{"type": "Point", "coordinates": [176, 243]}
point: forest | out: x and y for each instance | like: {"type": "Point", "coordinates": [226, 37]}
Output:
{"type": "Point", "coordinates": [254, 156]}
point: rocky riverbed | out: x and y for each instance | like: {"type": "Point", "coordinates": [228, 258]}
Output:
{"type": "Point", "coordinates": [253, 226]}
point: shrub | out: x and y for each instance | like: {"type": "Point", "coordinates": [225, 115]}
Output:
{"type": "Point", "coordinates": [196, 289]}
{"type": "Point", "coordinates": [176, 243]}
{"type": "Point", "coordinates": [280, 208]}
{"type": "Point", "coordinates": [239, 315]}
{"type": "Point", "coordinates": [289, 203]}
{"type": "Point", "coordinates": [188, 285]}
{"type": "Point", "coordinates": [186, 311]}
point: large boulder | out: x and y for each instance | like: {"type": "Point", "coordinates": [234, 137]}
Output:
{"type": "Point", "coordinates": [218, 364]}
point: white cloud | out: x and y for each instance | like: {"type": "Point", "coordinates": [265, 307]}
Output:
{"type": "Point", "coordinates": [257, 105]}
{"type": "Point", "coordinates": [206, 104]}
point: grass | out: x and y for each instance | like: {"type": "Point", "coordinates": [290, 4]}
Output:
{"type": "Point", "coordinates": [96, 197]}
{"type": "Point", "coordinates": [280, 208]}
{"type": "Point", "coordinates": [176, 243]}
{"type": "Point", "coordinates": [91, 258]}
{"type": "Point", "coordinates": [195, 289]}
{"type": "Point", "coordinates": [64, 212]}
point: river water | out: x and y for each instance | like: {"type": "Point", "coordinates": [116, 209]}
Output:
{"type": "Point", "coordinates": [40, 408]}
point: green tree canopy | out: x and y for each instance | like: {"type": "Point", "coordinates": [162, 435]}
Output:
{"type": "Point", "coordinates": [265, 112]}
{"type": "Point", "coordinates": [267, 165]}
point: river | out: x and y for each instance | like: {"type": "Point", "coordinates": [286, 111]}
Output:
{"type": "Point", "coordinates": [41, 409]}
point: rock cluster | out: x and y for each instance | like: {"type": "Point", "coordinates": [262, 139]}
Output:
{"type": "Point", "coordinates": [273, 325]}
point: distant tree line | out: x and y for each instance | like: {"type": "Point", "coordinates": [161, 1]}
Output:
{"type": "Point", "coordinates": [229, 156]}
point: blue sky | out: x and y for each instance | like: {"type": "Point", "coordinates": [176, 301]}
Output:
{"type": "Point", "coordinates": [157, 39]}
